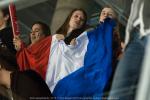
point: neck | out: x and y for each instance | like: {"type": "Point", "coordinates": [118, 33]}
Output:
{"type": "Point", "coordinates": [69, 30]}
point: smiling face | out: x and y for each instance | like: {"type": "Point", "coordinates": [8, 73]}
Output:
{"type": "Point", "coordinates": [106, 12]}
{"type": "Point", "coordinates": [36, 33]}
{"type": "Point", "coordinates": [77, 20]}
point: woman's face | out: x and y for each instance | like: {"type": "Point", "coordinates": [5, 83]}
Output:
{"type": "Point", "coordinates": [77, 20]}
{"type": "Point", "coordinates": [36, 33]}
{"type": "Point", "coordinates": [106, 12]}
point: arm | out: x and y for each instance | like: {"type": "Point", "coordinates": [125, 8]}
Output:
{"type": "Point", "coordinates": [73, 42]}
{"type": "Point", "coordinates": [60, 37]}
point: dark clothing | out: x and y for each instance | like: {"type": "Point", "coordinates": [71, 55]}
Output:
{"type": "Point", "coordinates": [4, 94]}
{"type": "Point", "coordinates": [75, 34]}
{"type": "Point", "coordinates": [29, 85]}
{"type": "Point", "coordinates": [8, 59]}
{"type": "Point", "coordinates": [3, 98]}
{"type": "Point", "coordinates": [6, 39]}
{"type": "Point", "coordinates": [72, 35]}
{"type": "Point", "coordinates": [26, 85]}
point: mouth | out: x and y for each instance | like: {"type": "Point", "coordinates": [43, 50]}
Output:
{"type": "Point", "coordinates": [33, 37]}
{"type": "Point", "coordinates": [77, 22]}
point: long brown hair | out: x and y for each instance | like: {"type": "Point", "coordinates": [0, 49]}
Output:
{"type": "Point", "coordinates": [64, 28]}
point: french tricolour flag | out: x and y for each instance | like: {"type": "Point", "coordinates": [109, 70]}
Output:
{"type": "Point", "coordinates": [82, 70]}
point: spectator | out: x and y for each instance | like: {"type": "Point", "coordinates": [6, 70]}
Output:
{"type": "Point", "coordinates": [22, 85]}
{"type": "Point", "coordinates": [36, 55]}
{"type": "Point", "coordinates": [73, 26]}
{"type": "Point", "coordinates": [106, 12]}
{"type": "Point", "coordinates": [129, 68]}
{"type": "Point", "coordinates": [6, 34]}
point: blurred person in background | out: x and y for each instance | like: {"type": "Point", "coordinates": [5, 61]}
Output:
{"type": "Point", "coordinates": [20, 85]}
{"type": "Point", "coordinates": [6, 34]}
{"type": "Point", "coordinates": [127, 74]}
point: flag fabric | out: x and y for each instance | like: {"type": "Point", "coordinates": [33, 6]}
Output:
{"type": "Point", "coordinates": [35, 56]}
{"type": "Point", "coordinates": [65, 59]}
{"type": "Point", "coordinates": [13, 17]}
{"type": "Point", "coordinates": [82, 70]}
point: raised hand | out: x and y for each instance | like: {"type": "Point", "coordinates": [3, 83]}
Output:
{"type": "Point", "coordinates": [17, 42]}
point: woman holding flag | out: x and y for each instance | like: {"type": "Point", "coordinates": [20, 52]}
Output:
{"type": "Point", "coordinates": [34, 56]}
{"type": "Point", "coordinates": [83, 69]}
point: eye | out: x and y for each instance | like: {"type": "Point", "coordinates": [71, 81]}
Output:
{"type": "Point", "coordinates": [82, 19]}
{"type": "Point", "coordinates": [110, 15]}
{"type": "Point", "coordinates": [103, 13]}
{"type": "Point", "coordinates": [35, 31]}
{"type": "Point", "coordinates": [75, 16]}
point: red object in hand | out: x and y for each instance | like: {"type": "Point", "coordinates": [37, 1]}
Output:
{"type": "Point", "coordinates": [13, 17]}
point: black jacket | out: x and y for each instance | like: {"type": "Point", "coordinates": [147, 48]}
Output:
{"type": "Point", "coordinates": [6, 38]}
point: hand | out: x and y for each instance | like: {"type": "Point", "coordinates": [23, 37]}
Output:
{"type": "Point", "coordinates": [17, 42]}
{"type": "Point", "coordinates": [73, 42]}
{"type": "Point", "coordinates": [122, 45]}
{"type": "Point", "coordinates": [60, 37]}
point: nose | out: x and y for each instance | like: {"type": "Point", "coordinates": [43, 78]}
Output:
{"type": "Point", "coordinates": [79, 18]}
{"type": "Point", "coordinates": [32, 33]}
